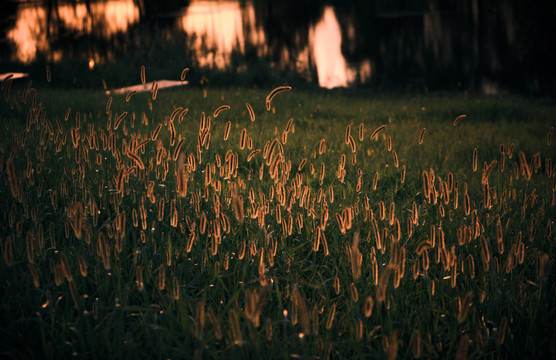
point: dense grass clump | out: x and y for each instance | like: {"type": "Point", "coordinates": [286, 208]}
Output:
{"type": "Point", "coordinates": [199, 223]}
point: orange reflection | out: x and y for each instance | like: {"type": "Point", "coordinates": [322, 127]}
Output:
{"type": "Point", "coordinates": [326, 44]}
{"type": "Point", "coordinates": [29, 32]}
{"type": "Point", "coordinates": [219, 30]}
{"type": "Point", "coordinates": [113, 16]}
{"type": "Point", "coordinates": [325, 39]}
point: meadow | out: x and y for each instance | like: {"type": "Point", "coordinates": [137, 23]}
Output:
{"type": "Point", "coordinates": [204, 222]}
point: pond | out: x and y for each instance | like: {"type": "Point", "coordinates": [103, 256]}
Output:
{"type": "Point", "coordinates": [421, 44]}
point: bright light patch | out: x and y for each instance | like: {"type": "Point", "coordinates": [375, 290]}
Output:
{"type": "Point", "coordinates": [219, 29]}
{"type": "Point", "coordinates": [29, 32]}
{"type": "Point", "coordinates": [327, 51]}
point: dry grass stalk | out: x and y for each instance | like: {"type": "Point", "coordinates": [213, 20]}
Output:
{"type": "Point", "coordinates": [377, 130]}
{"type": "Point", "coordinates": [422, 135]}
{"type": "Point", "coordinates": [15, 187]}
{"type": "Point", "coordinates": [199, 324]}
{"type": "Point", "coordinates": [219, 110]}
{"type": "Point", "coordinates": [354, 293]}
{"type": "Point", "coordinates": [104, 250]}
{"type": "Point", "coordinates": [275, 92]}
{"type": "Point", "coordinates": [301, 306]}
{"type": "Point", "coordinates": [154, 90]}
{"type": "Point", "coordinates": [383, 282]}
{"type": "Point", "coordinates": [368, 306]}
{"type": "Point", "coordinates": [34, 275]}
{"type": "Point", "coordinates": [155, 133]}
{"type": "Point", "coordinates": [215, 322]}
{"type": "Point", "coordinates": [183, 74]}
{"type": "Point", "coordinates": [463, 306]}
{"type": "Point", "coordinates": [502, 329]}
{"type": "Point", "coordinates": [391, 345]}
{"type": "Point", "coordinates": [356, 257]}
{"type": "Point", "coordinates": [499, 235]}
{"type": "Point", "coordinates": [459, 119]}
{"type": "Point", "coordinates": [336, 285]}
{"type": "Point", "coordinates": [331, 316]}
{"type": "Point", "coordinates": [139, 278]}
{"type": "Point", "coordinates": [254, 302]}
{"type": "Point", "coordinates": [485, 252]}
{"type": "Point", "coordinates": [543, 264]}
{"type": "Point", "coordinates": [242, 139]}
{"type": "Point", "coordinates": [129, 95]}
{"type": "Point", "coordinates": [161, 277]}
{"type": "Point", "coordinates": [524, 166]}
{"type": "Point", "coordinates": [82, 265]}
{"type": "Point", "coordinates": [352, 145]}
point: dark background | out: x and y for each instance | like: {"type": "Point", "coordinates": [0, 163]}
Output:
{"type": "Point", "coordinates": [485, 46]}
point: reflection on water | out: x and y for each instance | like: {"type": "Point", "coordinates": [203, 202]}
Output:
{"type": "Point", "coordinates": [29, 33]}
{"type": "Point", "coordinates": [466, 43]}
{"type": "Point", "coordinates": [326, 42]}
{"type": "Point", "coordinates": [219, 29]}
{"type": "Point", "coordinates": [104, 19]}
{"type": "Point", "coordinates": [326, 46]}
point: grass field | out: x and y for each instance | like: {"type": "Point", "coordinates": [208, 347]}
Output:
{"type": "Point", "coordinates": [134, 228]}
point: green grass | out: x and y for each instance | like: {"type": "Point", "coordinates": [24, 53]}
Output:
{"type": "Point", "coordinates": [108, 314]}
